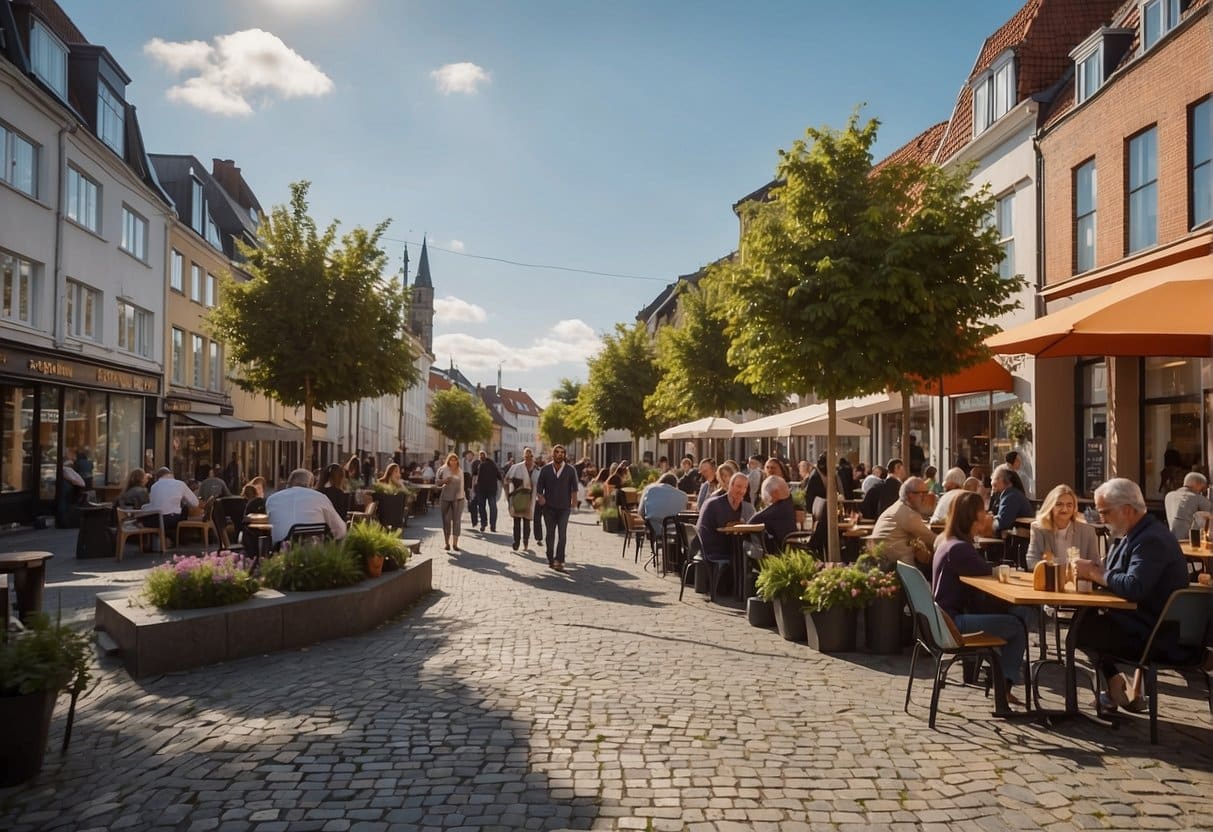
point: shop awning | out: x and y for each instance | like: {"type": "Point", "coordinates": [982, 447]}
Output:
{"type": "Point", "coordinates": [266, 431]}
{"type": "Point", "coordinates": [712, 427]}
{"type": "Point", "coordinates": [1166, 312]}
{"type": "Point", "coordinates": [987, 377]}
{"type": "Point", "coordinates": [869, 405]}
{"type": "Point", "coordinates": [217, 421]}
{"type": "Point", "coordinates": [812, 420]}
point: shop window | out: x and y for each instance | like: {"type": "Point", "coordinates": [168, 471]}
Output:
{"type": "Point", "coordinates": [86, 433]}
{"type": "Point", "coordinates": [125, 437]}
{"type": "Point", "coordinates": [17, 438]}
{"type": "Point", "coordinates": [1171, 423]}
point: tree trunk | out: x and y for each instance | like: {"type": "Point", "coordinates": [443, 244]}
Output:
{"type": "Point", "coordinates": [905, 430]}
{"type": "Point", "coordinates": [307, 423]}
{"type": "Point", "coordinates": [833, 555]}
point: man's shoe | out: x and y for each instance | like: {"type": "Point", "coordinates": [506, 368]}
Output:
{"type": "Point", "coordinates": [493, 529]}
{"type": "Point", "coordinates": [559, 567]}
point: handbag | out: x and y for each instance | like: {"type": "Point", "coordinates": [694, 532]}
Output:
{"type": "Point", "coordinates": [520, 501]}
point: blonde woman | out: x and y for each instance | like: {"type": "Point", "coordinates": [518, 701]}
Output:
{"type": "Point", "coordinates": [391, 476]}
{"type": "Point", "coordinates": [1059, 527]}
{"type": "Point", "coordinates": [451, 498]}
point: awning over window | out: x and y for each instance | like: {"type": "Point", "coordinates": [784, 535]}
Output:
{"type": "Point", "coordinates": [986, 377]}
{"type": "Point", "coordinates": [266, 431]}
{"type": "Point", "coordinates": [217, 421]}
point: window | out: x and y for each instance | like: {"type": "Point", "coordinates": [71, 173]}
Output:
{"type": "Point", "coordinates": [83, 308]}
{"type": "Point", "coordinates": [1157, 18]}
{"type": "Point", "coordinates": [195, 282]}
{"type": "Point", "coordinates": [111, 118]}
{"type": "Point", "coordinates": [134, 329]}
{"type": "Point", "coordinates": [1084, 217]}
{"type": "Point", "coordinates": [196, 208]}
{"type": "Point", "coordinates": [212, 232]}
{"type": "Point", "coordinates": [1200, 133]}
{"type": "Point", "coordinates": [1088, 75]}
{"type": "Point", "coordinates": [199, 359]}
{"type": "Point", "coordinates": [1004, 210]}
{"type": "Point", "coordinates": [18, 161]}
{"type": "Point", "coordinates": [993, 95]}
{"type": "Point", "coordinates": [211, 289]}
{"type": "Point", "coordinates": [216, 368]}
{"type": "Point", "coordinates": [1143, 190]}
{"type": "Point", "coordinates": [16, 288]}
{"type": "Point", "coordinates": [175, 275]}
{"type": "Point", "coordinates": [178, 356]}
{"type": "Point", "coordinates": [134, 234]}
{"type": "Point", "coordinates": [82, 199]}
{"type": "Point", "coordinates": [49, 58]}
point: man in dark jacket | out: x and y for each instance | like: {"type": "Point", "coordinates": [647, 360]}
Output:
{"type": "Point", "coordinates": [556, 493]}
{"type": "Point", "coordinates": [487, 478]}
{"type": "Point", "coordinates": [886, 494]}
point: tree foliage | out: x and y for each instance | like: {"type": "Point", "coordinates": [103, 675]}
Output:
{"type": "Point", "coordinates": [460, 416]}
{"type": "Point", "coordinates": [567, 391]}
{"type": "Point", "coordinates": [621, 376]}
{"type": "Point", "coordinates": [555, 425]}
{"type": "Point", "coordinates": [288, 329]}
{"type": "Point", "coordinates": [697, 379]}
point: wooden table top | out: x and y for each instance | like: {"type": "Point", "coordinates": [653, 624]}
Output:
{"type": "Point", "coordinates": [1018, 590]}
{"type": "Point", "coordinates": [256, 518]}
{"type": "Point", "coordinates": [742, 528]}
{"type": "Point", "coordinates": [22, 558]}
{"type": "Point", "coordinates": [1195, 552]}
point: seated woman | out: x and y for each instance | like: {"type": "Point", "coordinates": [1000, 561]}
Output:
{"type": "Point", "coordinates": [391, 476]}
{"type": "Point", "coordinates": [332, 485]}
{"type": "Point", "coordinates": [254, 492]}
{"type": "Point", "coordinates": [1059, 527]}
{"type": "Point", "coordinates": [971, 609]}
{"type": "Point", "coordinates": [724, 471]}
{"type": "Point", "coordinates": [134, 493]}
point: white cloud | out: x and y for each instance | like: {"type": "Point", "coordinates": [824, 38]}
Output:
{"type": "Point", "coordinates": [568, 342]}
{"type": "Point", "coordinates": [457, 245]}
{"type": "Point", "coordinates": [235, 67]}
{"type": "Point", "coordinates": [454, 309]}
{"type": "Point", "coordinates": [462, 77]}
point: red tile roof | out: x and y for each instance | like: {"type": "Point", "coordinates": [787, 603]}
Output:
{"type": "Point", "coordinates": [437, 382]}
{"type": "Point", "coordinates": [58, 21]}
{"type": "Point", "coordinates": [517, 401]}
{"type": "Point", "coordinates": [920, 149]}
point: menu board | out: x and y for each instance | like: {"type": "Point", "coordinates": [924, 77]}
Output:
{"type": "Point", "coordinates": [1094, 463]}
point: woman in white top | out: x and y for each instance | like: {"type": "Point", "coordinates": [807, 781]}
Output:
{"type": "Point", "coordinates": [1059, 527]}
{"type": "Point", "coordinates": [451, 500]}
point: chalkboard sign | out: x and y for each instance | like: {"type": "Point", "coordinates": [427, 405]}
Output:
{"type": "Point", "coordinates": [1094, 463]}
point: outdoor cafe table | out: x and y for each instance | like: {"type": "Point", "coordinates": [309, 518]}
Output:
{"type": "Point", "coordinates": [1198, 554]}
{"type": "Point", "coordinates": [29, 576]}
{"type": "Point", "coordinates": [739, 531]}
{"type": "Point", "coordinates": [1018, 590]}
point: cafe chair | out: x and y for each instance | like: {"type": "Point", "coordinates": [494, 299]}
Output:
{"type": "Point", "coordinates": [130, 525]}
{"type": "Point", "coordinates": [392, 510]}
{"type": "Point", "coordinates": [937, 635]}
{"type": "Point", "coordinates": [303, 534]}
{"type": "Point", "coordinates": [696, 559]}
{"type": "Point", "coordinates": [204, 524]}
{"type": "Point", "coordinates": [633, 528]}
{"type": "Point", "coordinates": [799, 540]}
{"type": "Point", "coordinates": [229, 514]}
{"type": "Point", "coordinates": [1186, 623]}
{"type": "Point", "coordinates": [670, 546]}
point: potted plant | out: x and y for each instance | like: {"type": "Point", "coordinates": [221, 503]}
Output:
{"type": "Point", "coordinates": [1019, 429]}
{"type": "Point", "coordinates": [832, 599]}
{"type": "Point", "coordinates": [35, 667]}
{"type": "Point", "coordinates": [781, 580]}
{"type": "Point", "coordinates": [609, 516]}
{"type": "Point", "coordinates": [376, 548]}
{"type": "Point", "coordinates": [593, 493]}
{"type": "Point", "coordinates": [882, 619]}
{"type": "Point", "coordinates": [189, 582]}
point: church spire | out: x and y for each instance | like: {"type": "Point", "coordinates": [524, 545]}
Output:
{"type": "Point", "coordinates": [423, 269]}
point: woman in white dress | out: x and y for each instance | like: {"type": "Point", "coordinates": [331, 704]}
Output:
{"type": "Point", "coordinates": [520, 482]}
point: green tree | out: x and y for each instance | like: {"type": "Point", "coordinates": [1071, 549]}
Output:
{"type": "Point", "coordinates": [274, 325]}
{"type": "Point", "coordinates": [460, 416]}
{"type": "Point", "coordinates": [697, 379]}
{"type": "Point", "coordinates": [621, 375]}
{"type": "Point", "coordinates": [554, 424]}
{"type": "Point", "coordinates": [849, 276]}
{"type": "Point", "coordinates": [567, 391]}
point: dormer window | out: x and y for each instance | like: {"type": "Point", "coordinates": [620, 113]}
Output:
{"type": "Point", "coordinates": [212, 232]}
{"type": "Point", "coordinates": [1157, 18]}
{"type": "Point", "coordinates": [197, 207]}
{"type": "Point", "coordinates": [111, 119]}
{"type": "Point", "coordinates": [993, 93]}
{"type": "Point", "coordinates": [1088, 76]}
{"type": "Point", "coordinates": [1096, 58]}
{"type": "Point", "coordinates": [49, 58]}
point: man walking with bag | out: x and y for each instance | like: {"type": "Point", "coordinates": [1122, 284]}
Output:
{"type": "Point", "coordinates": [557, 491]}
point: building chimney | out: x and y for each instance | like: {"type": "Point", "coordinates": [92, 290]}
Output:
{"type": "Point", "coordinates": [225, 172]}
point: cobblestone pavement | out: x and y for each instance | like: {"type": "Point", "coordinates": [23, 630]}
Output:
{"type": "Point", "coordinates": [515, 697]}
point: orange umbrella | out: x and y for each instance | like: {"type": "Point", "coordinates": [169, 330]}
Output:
{"type": "Point", "coordinates": [1167, 312]}
{"type": "Point", "coordinates": [985, 377]}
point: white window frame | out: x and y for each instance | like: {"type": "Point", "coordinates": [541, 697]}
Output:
{"type": "Point", "coordinates": [1083, 72]}
{"type": "Point", "coordinates": [1169, 13]}
{"type": "Point", "coordinates": [198, 353]}
{"type": "Point", "coordinates": [82, 312]}
{"type": "Point", "coordinates": [212, 290]}
{"type": "Point", "coordinates": [48, 58]}
{"type": "Point", "coordinates": [134, 233]}
{"type": "Point", "coordinates": [1200, 169]}
{"type": "Point", "coordinates": [83, 200]}
{"type": "Point", "coordinates": [195, 283]}
{"type": "Point", "coordinates": [18, 161]}
{"type": "Point", "coordinates": [177, 272]}
{"type": "Point", "coordinates": [177, 358]}
{"type": "Point", "coordinates": [216, 367]}
{"type": "Point", "coordinates": [994, 93]}
{"type": "Point", "coordinates": [1133, 189]}
{"type": "Point", "coordinates": [18, 289]}
{"type": "Point", "coordinates": [1004, 221]}
{"type": "Point", "coordinates": [134, 329]}
{"type": "Point", "coordinates": [1086, 223]}
{"type": "Point", "coordinates": [212, 232]}
{"type": "Point", "coordinates": [111, 118]}
{"type": "Point", "coordinates": [197, 207]}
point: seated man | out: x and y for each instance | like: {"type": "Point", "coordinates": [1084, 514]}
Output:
{"type": "Point", "coordinates": [660, 500]}
{"type": "Point", "coordinates": [901, 525]}
{"type": "Point", "coordinates": [1145, 567]}
{"type": "Point", "coordinates": [1011, 502]}
{"type": "Point", "coordinates": [167, 495]}
{"type": "Point", "coordinates": [886, 493]}
{"type": "Point", "coordinates": [1188, 507]}
{"type": "Point", "coordinates": [214, 485]}
{"type": "Point", "coordinates": [299, 503]}
{"type": "Point", "coordinates": [953, 483]}
{"type": "Point", "coordinates": [723, 510]}
{"type": "Point", "coordinates": [779, 516]}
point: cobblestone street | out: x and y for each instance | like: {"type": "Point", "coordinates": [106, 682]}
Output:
{"type": "Point", "coordinates": [516, 697]}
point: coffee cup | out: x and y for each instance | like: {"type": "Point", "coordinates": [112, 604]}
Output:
{"type": "Point", "coordinates": [1003, 572]}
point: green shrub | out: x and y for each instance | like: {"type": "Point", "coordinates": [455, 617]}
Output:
{"type": "Point", "coordinates": [594, 489]}
{"type": "Point", "coordinates": [783, 577]}
{"type": "Point", "coordinates": [327, 565]}
{"type": "Point", "coordinates": [609, 513]}
{"type": "Point", "coordinates": [837, 585]}
{"type": "Point", "coordinates": [190, 581]}
{"type": "Point", "coordinates": [387, 488]}
{"type": "Point", "coordinates": [367, 539]}
{"type": "Point", "coordinates": [799, 499]}
{"type": "Point", "coordinates": [45, 658]}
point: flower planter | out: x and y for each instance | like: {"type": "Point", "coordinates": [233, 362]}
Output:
{"type": "Point", "coordinates": [612, 525]}
{"type": "Point", "coordinates": [374, 566]}
{"type": "Point", "coordinates": [759, 613]}
{"type": "Point", "coordinates": [882, 625]}
{"type": "Point", "coordinates": [26, 721]}
{"type": "Point", "coordinates": [832, 631]}
{"type": "Point", "coordinates": [789, 619]}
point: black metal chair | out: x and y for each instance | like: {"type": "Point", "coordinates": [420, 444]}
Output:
{"type": "Point", "coordinates": [695, 558]}
{"type": "Point", "coordinates": [634, 528]}
{"type": "Point", "coordinates": [669, 546]}
{"type": "Point", "coordinates": [391, 510]}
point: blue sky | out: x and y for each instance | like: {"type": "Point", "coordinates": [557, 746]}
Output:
{"type": "Point", "coordinates": [611, 137]}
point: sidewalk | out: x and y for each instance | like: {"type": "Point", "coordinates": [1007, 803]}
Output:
{"type": "Point", "coordinates": [516, 697]}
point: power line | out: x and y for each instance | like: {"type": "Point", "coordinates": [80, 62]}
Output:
{"type": "Point", "coordinates": [531, 265]}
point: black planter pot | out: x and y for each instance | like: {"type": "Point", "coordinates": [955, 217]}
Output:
{"type": "Point", "coordinates": [612, 524]}
{"type": "Point", "coordinates": [789, 619]}
{"type": "Point", "coordinates": [26, 721]}
{"type": "Point", "coordinates": [882, 625]}
{"type": "Point", "coordinates": [759, 613]}
{"type": "Point", "coordinates": [832, 631]}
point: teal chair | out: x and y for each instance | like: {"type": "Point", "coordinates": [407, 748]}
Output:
{"type": "Point", "coordinates": [938, 636]}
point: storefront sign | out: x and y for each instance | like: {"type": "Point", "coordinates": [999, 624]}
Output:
{"type": "Point", "coordinates": [177, 406]}
{"type": "Point", "coordinates": [54, 368]}
{"type": "Point", "coordinates": [1094, 463]}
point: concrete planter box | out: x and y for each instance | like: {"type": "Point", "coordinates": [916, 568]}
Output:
{"type": "Point", "coordinates": [156, 641]}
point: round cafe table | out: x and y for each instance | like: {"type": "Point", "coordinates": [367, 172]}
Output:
{"type": "Point", "coordinates": [738, 532]}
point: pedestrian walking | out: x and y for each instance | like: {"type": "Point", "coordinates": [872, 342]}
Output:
{"type": "Point", "coordinates": [521, 481]}
{"type": "Point", "coordinates": [470, 464]}
{"type": "Point", "coordinates": [450, 501]}
{"type": "Point", "coordinates": [556, 491]}
{"type": "Point", "coordinates": [488, 479]}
